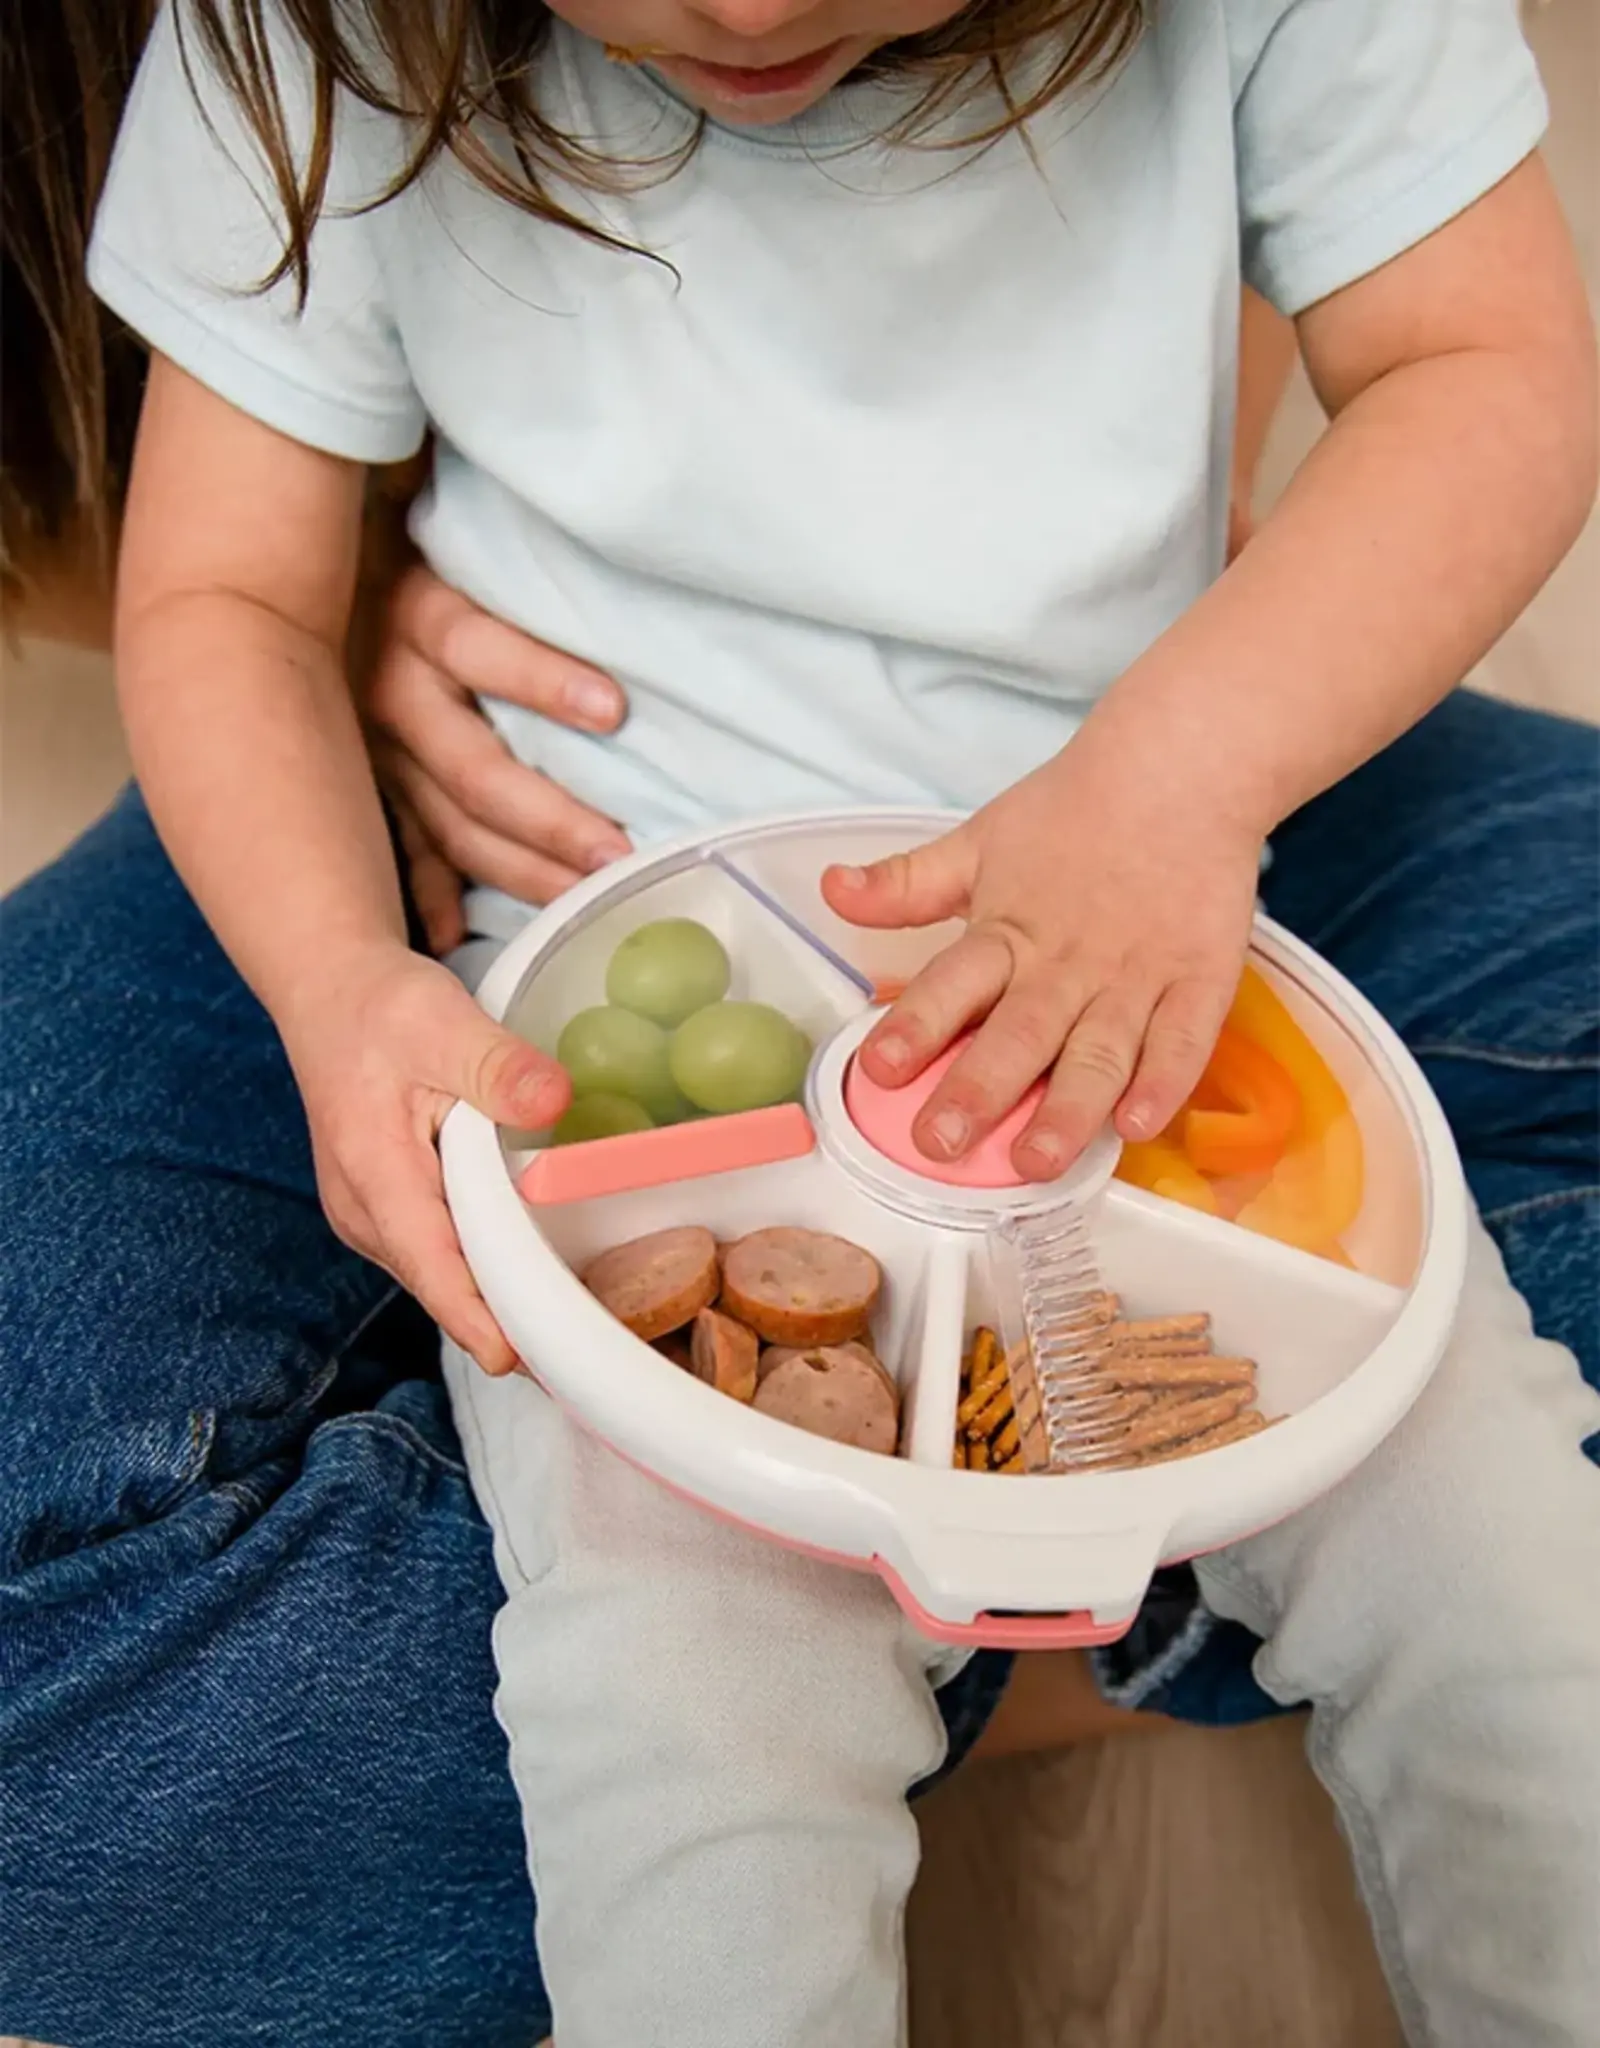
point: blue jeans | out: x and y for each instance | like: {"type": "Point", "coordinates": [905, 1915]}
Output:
{"type": "Point", "coordinates": [250, 1784]}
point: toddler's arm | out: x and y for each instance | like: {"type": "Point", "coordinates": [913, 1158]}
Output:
{"type": "Point", "coordinates": [1109, 894]}
{"type": "Point", "coordinates": [238, 566]}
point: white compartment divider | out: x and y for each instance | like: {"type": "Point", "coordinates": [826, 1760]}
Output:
{"type": "Point", "coordinates": [786, 917]}
{"type": "Point", "coordinates": [786, 865]}
{"type": "Point", "coordinates": [931, 1394]}
{"type": "Point", "coordinates": [1306, 1322]}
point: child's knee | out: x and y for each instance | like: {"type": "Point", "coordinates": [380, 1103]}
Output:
{"type": "Point", "coordinates": [1478, 1517]}
{"type": "Point", "coordinates": [652, 1620]}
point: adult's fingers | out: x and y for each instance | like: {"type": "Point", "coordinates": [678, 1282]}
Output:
{"type": "Point", "coordinates": [435, 884]}
{"type": "Point", "coordinates": [451, 744]}
{"type": "Point", "coordinates": [484, 655]}
{"type": "Point", "coordinates": [475, 849]}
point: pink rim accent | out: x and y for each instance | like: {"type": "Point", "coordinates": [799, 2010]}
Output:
{"type": "Point", "coordinates": [884, 1117]}
{"type": "Point", "coordinates": [1073, 1631]}
{"type": "Point", "coordinates": [651, 1159]}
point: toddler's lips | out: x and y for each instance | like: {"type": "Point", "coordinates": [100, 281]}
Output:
{"type": "Point", "coordinates": [761, 81]}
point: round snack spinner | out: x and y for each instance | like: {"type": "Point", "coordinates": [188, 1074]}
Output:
{"type": "Point", "coordinates": [1286, 1259]}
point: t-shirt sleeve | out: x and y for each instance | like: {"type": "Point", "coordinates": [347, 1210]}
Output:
{"type": "Point", "coordinates": [189, 224]}
{"type": "Point", "coordinates": [1362, 126]}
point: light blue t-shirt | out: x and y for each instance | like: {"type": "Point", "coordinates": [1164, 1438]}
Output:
{"type": "Point", "coordinates": [870, 487]}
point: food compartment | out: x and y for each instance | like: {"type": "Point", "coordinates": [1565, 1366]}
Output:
{"type": "Point", "coordinates": [1295, 1133]}
{"type": "Point", "coordinates": [1158, 1335]}
{"type": "Point", "coordinates": [778, 1287]}
{"type": "Point", "coordinates": [786, 864]}
{"type": "Point", "coordinates": [1306, 1322]}
{"type": "Point", "coordinates": [677, 1000]}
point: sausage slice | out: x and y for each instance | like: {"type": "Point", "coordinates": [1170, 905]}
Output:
{"type": "Point", "coordinates": [800, 1286]}
{"type": "Point", "coordinates": [775, 1354]}
{"type": "Point", "coordinates": [834, 1392]}
{"type": "Point", "coordinates": [723, 1354]}
{"type": "Point", "coordinates": [657, 1283]}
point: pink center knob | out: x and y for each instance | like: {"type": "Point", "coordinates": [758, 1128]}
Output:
{"type": "Point", "coordinates": [884, 1117]}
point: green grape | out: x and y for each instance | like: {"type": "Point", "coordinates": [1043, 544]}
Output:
{"type": "Point", "coordinates": [599, 1116]}
{"type": "Point", "coordinates": [667, 970]}
{"type": "Point", "coordinates": [732, 1056]}
{"type": "Point", "coordinates": [608, 1051]}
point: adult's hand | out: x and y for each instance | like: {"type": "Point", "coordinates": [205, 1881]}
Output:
{"type": "Point", "coordinates": [466, 807]}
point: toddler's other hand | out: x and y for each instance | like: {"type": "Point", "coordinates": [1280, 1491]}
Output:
{"type": "Point", "coordinates": [381, 1050]}
{"type": "Point", "coordinates": [1108, 911]}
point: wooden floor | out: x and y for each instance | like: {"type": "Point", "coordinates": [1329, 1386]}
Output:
{"type": "Point", "coordinates": [1181, 1890]}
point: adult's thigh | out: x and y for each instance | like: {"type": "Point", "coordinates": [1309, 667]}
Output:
{"type": "Point", "coordinates": [254, 1788]}
{"type": "Point", "coordinates": [1456, 880]}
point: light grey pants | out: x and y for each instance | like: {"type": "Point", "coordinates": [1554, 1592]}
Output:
{"type": "Point", "coordinates": [713, 1738]}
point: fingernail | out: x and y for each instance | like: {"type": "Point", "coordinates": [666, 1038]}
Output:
{"type": "Point", "coordinates": [1136, 1122]}
{"type": "Point", "coordinates": [894, 1052]}
{"type": "Point", "coordinates": [1047, 1148]}
{"type": "Point", "coordinates": [852, 878]}
{"type": "Point", "coordinates": [604, 852]}
{"type": "Point", "coordinates": [593, 701]}
{"type": "Point", "coordinates": [536, 1099]}
{"type": "Point", "coordinates": [949, 1131]}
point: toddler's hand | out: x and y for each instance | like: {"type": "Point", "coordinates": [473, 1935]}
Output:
{"type": "Point", "coordinates": [1107, 918]}
{"type": "Point", "coordinates": [381, 1050]}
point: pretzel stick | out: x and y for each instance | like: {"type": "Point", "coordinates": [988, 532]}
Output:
{"type": "Point", "coordinates": [1180, 1372]}
{"type": "Point", "coordinates": [982, 1393]}
{"type": "Point", "coordinates": [1250, 1423]}
{"type": "Point", "coordinates": [990, 1416]}
{"type": "Point", "coordinates": [1171, 1422]}
{"type": "Point", "coordinates": [1158, 1330]}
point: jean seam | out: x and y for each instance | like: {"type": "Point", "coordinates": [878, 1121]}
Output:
{"type": "Point", "coordinates": [1354, 1819]}
{"type": "Point", "coordinates": [1367, 1861]}
{"type": "Point", "coordinates": [203, 1421]}
{"type": "Point", "coordinates": [1538, 1205]}
{"type": "Point", "coordinates": [492, 1508]}
{"type": "Point", "coordinates": [1507, 1056]}
{"type": "Point", "coordinates": [394, 1425]}
{"type": "Point", "coordinates": [405, 1432]}
{"type": "Point", "coordinates": [1161, 1671]}
{"type": "Point", "coordinates": [202, 1435]}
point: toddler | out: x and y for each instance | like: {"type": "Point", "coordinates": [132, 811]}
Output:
{"type": "Point", "coordinates": [853, 380]}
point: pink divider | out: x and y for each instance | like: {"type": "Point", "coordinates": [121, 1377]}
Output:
{"type": "Point", "coordinates": [650, 1159]}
